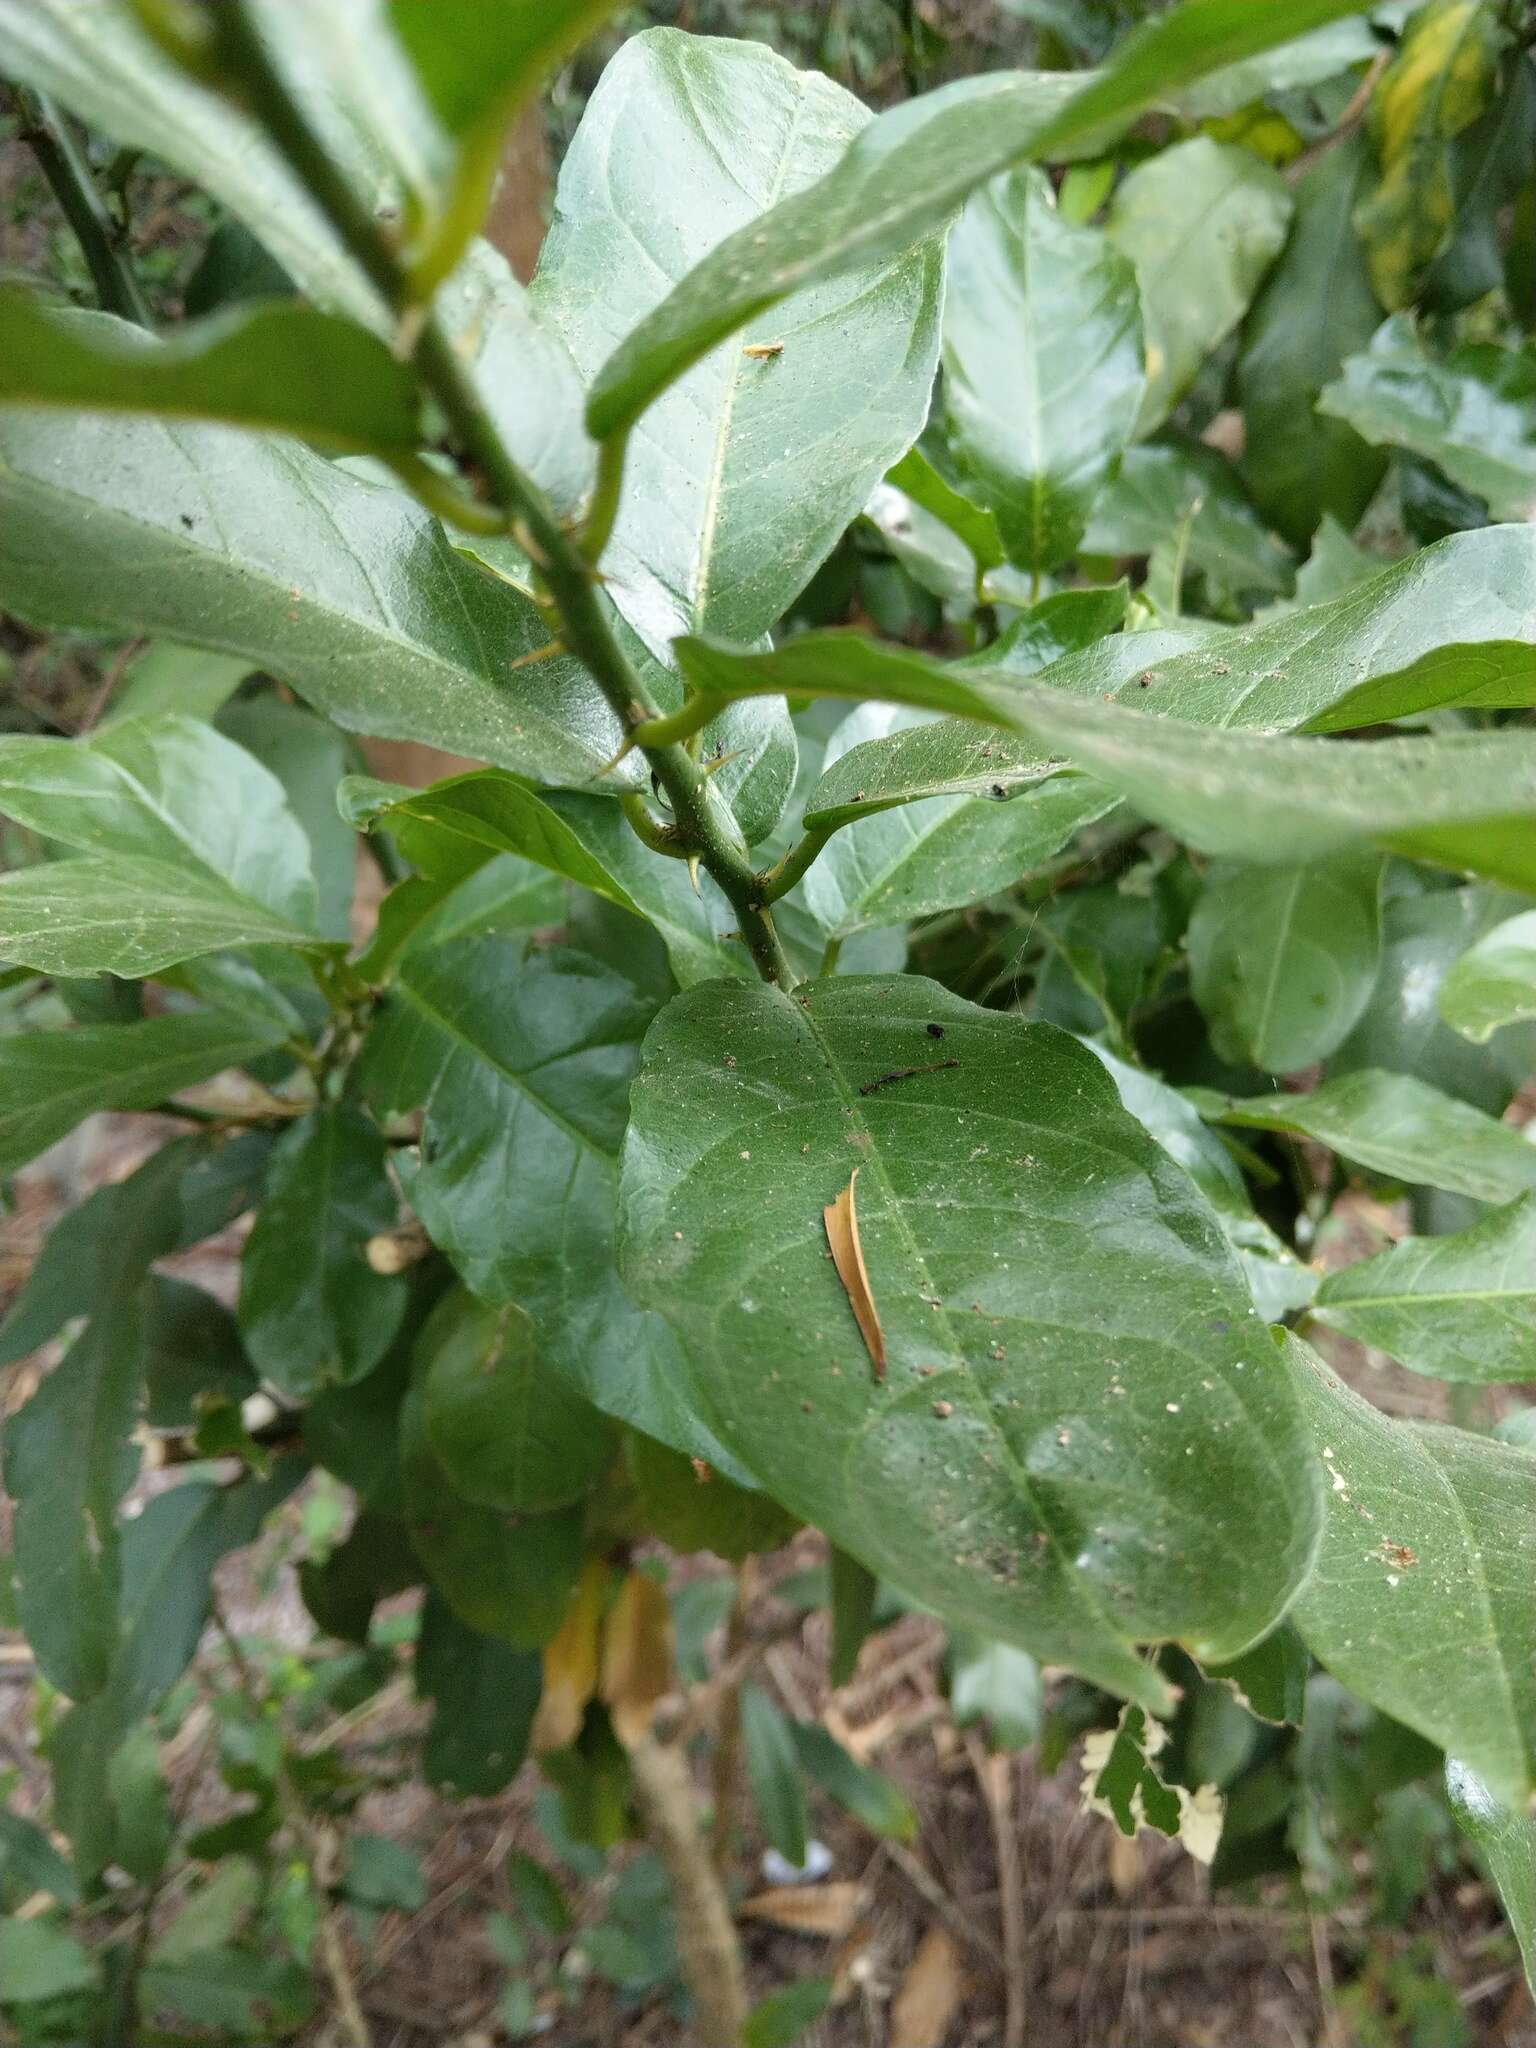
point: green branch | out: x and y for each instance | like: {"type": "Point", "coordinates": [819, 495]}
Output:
{"type": "Point", "coordinates": [703, 824]}
{"type": "Point", "coordinates": [43, 130]}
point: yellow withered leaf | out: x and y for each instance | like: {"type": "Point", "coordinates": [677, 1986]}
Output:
{"type": "Point", "coordinates": [570, 1664]}
{"type": "Point", "coordinates": [842, 1224]}
{"type": "Point", "coordinates": [637, 1657]}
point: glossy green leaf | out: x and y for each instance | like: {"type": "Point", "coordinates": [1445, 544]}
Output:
{"type": "Point", "coordinates": [1270, 1680]}
{"type": "Point", "coordinates": [312, 1310]}
{"type": "Point", "coordinates": [1399, 1126]}
{"type": "Point", "coordinates": [867, 1795]}
{"type": "Point", "coordinates": [1460, 1307]}
{"type": "Point", "coordinates": [50, 1080]}
{"type": "Point", "coordinates": [1187, 490]}
{"type": "Point", "coordinates": [345, 589]}
{"type": "Point", "coordinates": [749, 471]}
{"type": "Point", "coordinates": [1507, 1839]}
{"type": "Point", "coordinates": [278, 364]}
{"type": "Point", "coordinates": [508, 1432]}
{"type": "Point", "coordinates": [921, 484]}
{"type": "Point", "coordinates": [1043, 371]}
{"type": "Point", "coordinates": [1494, 981]}
{"type": "Point", "coordinates": [1465, 800]}
{"type": "Point", "coordinates": [912, 168]}
{"type": "Point", "coordinates": [1473, 413]}
{"type": "Point", "coordinates": [453, 826]}
{"type": "Point", "coordinates": [507, 1576]}
{"type": "Point", "coordinates": [39, 1960]}
{"type": "Point", "coordinates": [1282, 960]}
{"type": "Point", "coordinates": [1421, 1600]}
{"type": "Point", "coordinates": [524, 1069]}
{"type": "Point", "coordinates": [773, 1774]}
{"type": "Point", "coordinates": [1448, 626]}
{"type": "Point", "coordinates": [1423, 936]}
{"type": "Point", "coordinates": [1444, 74]}
{"type": "Point", "coordinates": [1316, 308]}
{"type": "Point", "coordinates": [1277, 1280]}
{"type": "Point", "coordinates": [997, 1685]}
{"type": "Point", "coordinates": [925, 856]}
{"type": "Point", "coordinates": [356, 91]}
{"type": "Point", "coordinates": [973, 1474]}
{"type": "Point", "coordinates": [476, 62]}
{"type": "Point", "coordinates": [1202, 222]}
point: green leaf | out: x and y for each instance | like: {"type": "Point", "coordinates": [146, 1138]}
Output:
{"type": "Point", "coordinates": [1316, 308]}
{"type": "Point", "coordinates": [525, 1071]}
{"type": "Point", "coordinates": [1186, 489]}
{"type": "Point", "coordinates": [187, 845]}
{"type": "Point", "coordinates": [1494, 981]}
{"type": "Point", "coordinates": [278, 364]}
{"type": "Point", "coordinates": [1276, 1278]}
{"type": "Point", "coordinates": [1423, 935]}
{"type": "Point", "coordinates": [1507, 1839]}
{"type": "Point", "coordinates": [183, 1193]}
{"type": "Point", "coordinates": [383, 1874]}
{"type": "Point", "coordinates": [1448, 626]}
{"type": "Point", "coordinates": [932, 855]}
{"type": "Point", "coordinates": [507, 1576]}
{"type": "Point", "coordinates": [50, 1080]}
{"type": "Point", "coordinates": [882, 1807]}
{"type": "Point", "coordinates": [1042, 363]}
{"type": "Point", "coordinates": [376, 128]}
{"type": "Point", "coordinates": [783, 2016]}
{"type": "Point", "coordinates": [912, 168]}
{"type": "Point", "coordinates": [484, 1696]}
{"type": "Point", "coordinates": [166, 677]}
{"type": "Point", "coordinates": [1461, 1307]}
{"type": "Point", "coordinates": [921, 484]}
{"type": "Point", "coordinates": [1308, 60]}
{"type": "Point", "coordinates": [854, 1590]}
{"type": "Point", "coordinates": [345, 589]}
{"type": "Point", "coordinates": [1202, 222]}
{"type": "Point", "coordinates": [39, 1960]}
{"type": "Point", "coordinates": [476, 63]}
{"type": "Point", "coordinates": [1473, 414]}
{"type": "Point", "coordinates": [30, 1863]}
{"type": "Point", "coordinates": [997, 1684]}
{"type": "Point", "coordinates": [1443, 76]}
{"type": "Point", "coordinates": [1283, 960]}
{"type": "Point", "coordinates": [694, 1509]}
{"type": "Point", "coordinates": [231, 1992]}
{"type": "Point", "coordinates": [312, 1310]}
{"type": "Point", "coordinates": [1271, 1679]}
{"type": "Point", "coordinates": [309, 757]}
{"type": "Point", "coordinates": [1421, 1600]}
{"type": "Point", "coordinates": [1489, 165]}
{"type": "Point", "coordinates": [773, 1774]}
{"type": "Point", "coordinates": [509, 1433]}
{"type": "Point", "coordinates": [971, 1476]}
{"type": "Point", "coordinates": [1464, 800]}
{"type": "Point", "coordinates": [1398, 1125]}
{"type": "Point", "coordinates": [451, 827]}
{"type": "Point", "coordinates": [375, 1560]}
{"type": "Point", "coordinates": [1122, 1781]}
{"type": "Point", "coordinates": [750, 471]}
{"type": "Point", "coordinates": [192, 1355]}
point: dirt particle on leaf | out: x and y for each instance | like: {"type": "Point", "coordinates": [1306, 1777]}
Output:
{"type": "Point", "coordinates": [935, 1030]}
{"type": "Point", "coordinates": [943, 1410]}
{"type": "Point", "coordinates": [1397, 1554]}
